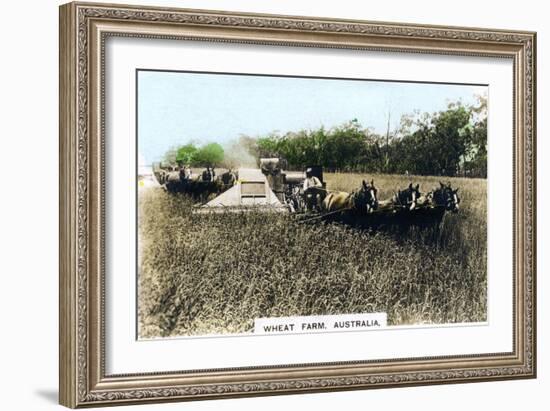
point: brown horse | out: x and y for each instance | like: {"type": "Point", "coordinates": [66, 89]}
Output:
{"type": "Point", "coordinates": [362, 200]}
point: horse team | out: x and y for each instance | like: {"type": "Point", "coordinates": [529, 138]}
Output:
{"type": "Point", "coordinates": [361, 208]}
{"type": "Point", "coordinates": [406, 208]}
{"type": "Point", "coordinates": [200, 187]}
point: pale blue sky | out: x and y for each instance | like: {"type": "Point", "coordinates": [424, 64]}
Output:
{"type": "Point", "coordinates": [176, 108]}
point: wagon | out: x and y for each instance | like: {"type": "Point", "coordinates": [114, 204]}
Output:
{"type": "Point", "coordinates": [265, 189]}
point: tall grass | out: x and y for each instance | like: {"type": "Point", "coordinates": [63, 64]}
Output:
{"type": "Point", "coordinates": [213, 274]}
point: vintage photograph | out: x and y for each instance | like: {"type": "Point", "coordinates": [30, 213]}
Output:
{"type": "Point", "coordinates": [275, 197]}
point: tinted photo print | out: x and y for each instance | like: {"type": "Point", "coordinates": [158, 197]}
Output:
{"type": "Point", "coordinates": [275, 205]}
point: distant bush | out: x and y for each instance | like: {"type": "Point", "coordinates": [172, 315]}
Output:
{"type": "Point", "coordinates": [186, 154]}
{"type": "Point", "coordinates": [211, 154]}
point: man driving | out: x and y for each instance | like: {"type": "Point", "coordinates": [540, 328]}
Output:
{"type": "Point", "coordinates": [312, 186]}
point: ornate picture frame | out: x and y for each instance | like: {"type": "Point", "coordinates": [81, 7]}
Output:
{"type": "Point", "coordinates": [84, 29]}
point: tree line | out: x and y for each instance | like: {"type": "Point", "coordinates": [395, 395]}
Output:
{"type": "Point", "coordinates": [209, 155]}
{"type": "Point", "coordinates": [452, 142]}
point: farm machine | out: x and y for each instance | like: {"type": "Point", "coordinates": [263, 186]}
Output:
{"type": "Point", "coordinates": [269, 188]}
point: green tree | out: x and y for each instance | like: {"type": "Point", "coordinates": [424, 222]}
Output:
{"type": "Point", "coordinates": [268, 146]}
{"type": "Point", "coordinates": [210, 155]}
{"type": "Point", "coordinates": [346, 145]}
{"type": "Point", "coordinates": [185, 154]}
{"type": "Point", "coordinates": [435, 144]}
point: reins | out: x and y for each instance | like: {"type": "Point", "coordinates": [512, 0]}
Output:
{"type": "Point", "coordinates": [306, 220]}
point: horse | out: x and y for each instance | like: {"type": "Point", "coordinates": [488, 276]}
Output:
{"type": "Point", "coordinates": [196, 189]}
{"type": "Point", "coordinates": [446, 197]}
{"type": "Point", "coordinates": [407, 198]}
{"type": "Point", "coordinates": [429, 215]}
{"type": "Point", "coordinates": [172, 181]}
{"type": "Point", "coordinates": [363, 200]}
{"type": "Point", "coordinates": [228, 178]}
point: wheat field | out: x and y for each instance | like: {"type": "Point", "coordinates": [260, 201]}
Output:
{"type": "Point", "coordinates": [213, 274]}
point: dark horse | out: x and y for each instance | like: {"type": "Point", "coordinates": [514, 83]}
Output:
{"type": "Point", "coordinates": [395, 212]}
{"type": "Point", "coordinates": [446, 197]}
{"type": "Point", "coordinates": [407, 199]}
{"type": "Point", "coordinates": [429, 215]}
{"type": "Point", "coordinates": [196, 189]}
{"type": "Point", "coordinates": [408, 208]}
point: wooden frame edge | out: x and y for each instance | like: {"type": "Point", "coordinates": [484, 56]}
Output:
{"type": "Point", "coordinates": [67, 222]}
{"type": "Point", "coordinates": [78, 391]}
